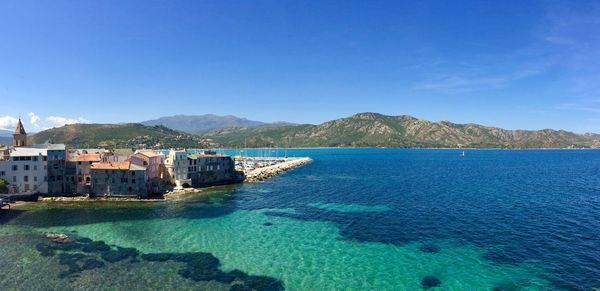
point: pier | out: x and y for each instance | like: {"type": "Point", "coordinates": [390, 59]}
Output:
{"type": "Point", "coordinates": [259, 169]}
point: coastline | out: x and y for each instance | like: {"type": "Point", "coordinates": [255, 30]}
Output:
{"type": "Point", "coordinates": [253, 176]}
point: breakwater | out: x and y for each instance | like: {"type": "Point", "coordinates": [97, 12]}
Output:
{"type": "Point", "coordinates": [283, 165]}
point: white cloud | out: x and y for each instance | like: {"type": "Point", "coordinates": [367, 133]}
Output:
{"type": "Point", "coordinates": [8, 122]}
{"type": "Point", "coordinates": [34, 119]}
{"type": "Point", "coordinates": [57, 121]}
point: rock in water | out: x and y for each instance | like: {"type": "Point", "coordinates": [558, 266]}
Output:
{"type": "Point", "coordinates": [430, 282]}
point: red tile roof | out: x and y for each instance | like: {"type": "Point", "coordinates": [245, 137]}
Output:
{"type": "Point", "coordinates": [111, 166]}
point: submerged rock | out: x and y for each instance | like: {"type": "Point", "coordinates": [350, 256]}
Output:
{"type": "Point", "coordinates": [120, 254]}
{"type": "Point", "coordinates": [267, 223]}
{"type": "Point", "coordinates": [429, 248]}
{"type": "Point", "coordinates": [430, 282]}
{"type": "Point", "coordinates": [59, 237]}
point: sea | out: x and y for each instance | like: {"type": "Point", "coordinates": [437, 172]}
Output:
{"type": "Point", "coordinates": [354, 219]}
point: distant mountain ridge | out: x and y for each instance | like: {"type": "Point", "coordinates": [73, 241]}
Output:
{"type": "Point", "coordinates": [359, 130]}
{"type": "Point", "coordinates": [378, 130]}
{"type": "Point", "coordinates": [199, 124]}
{"type": "Point", "coordinates": [6, 136]}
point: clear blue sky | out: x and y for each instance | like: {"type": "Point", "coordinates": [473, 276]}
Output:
{"type": "Point", "coordinates": [512, 64]}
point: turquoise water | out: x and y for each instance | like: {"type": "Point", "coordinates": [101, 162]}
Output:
{"type": "Point", "coordinates": [355, 219]}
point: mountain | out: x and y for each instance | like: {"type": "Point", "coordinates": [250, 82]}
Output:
{"type": "Point", "coordinates": [377, 130]}
{"type": "Point", "coordinates": [118, 136]}
{"type": "Point", "coordinates": [6, 133]}
{"type": "Point", "coordinates": [6, 136]}
{"type": "Point", "coordinates": [199, 124]}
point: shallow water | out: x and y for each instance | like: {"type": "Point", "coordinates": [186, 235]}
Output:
{"type": "Point", "coordinates": [355, 219]}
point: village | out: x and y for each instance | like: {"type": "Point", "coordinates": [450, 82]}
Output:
{"type": "Point", "coordinates": [52, 170]}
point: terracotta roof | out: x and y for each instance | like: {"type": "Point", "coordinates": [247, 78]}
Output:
{"type": "Point", "coordinates": [111, 166]}
{"type": "Point", "coordinates": [148, 154]}
{"type": "Point", "coordinates": [87, 158]}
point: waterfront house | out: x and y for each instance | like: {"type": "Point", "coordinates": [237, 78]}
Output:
{"type": "Point", "coordinates": [80, 170]}
{"type": "Point", "coordinates": [212, 169]}
{"type": "Point", "coordinates": [153, 163]}
{"type": "Point", "coordinates": [56, 168]}
{"type": "Point", "coordinates": [38, 168]}
{"type": "Point", "coordinates": [117, 155]}
{"type": "Point", "coordinates": [176, 164]}
{"type": "Point", "coordinates": [26, 170]}
{"type": "Point", "coordinates": [118, 179]}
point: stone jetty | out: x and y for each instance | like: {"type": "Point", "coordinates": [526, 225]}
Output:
{"type": "Point", "coordinates": [263, 173]}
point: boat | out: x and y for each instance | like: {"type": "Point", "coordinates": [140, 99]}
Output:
{"type": "Point", "coordinates": [462, 154]}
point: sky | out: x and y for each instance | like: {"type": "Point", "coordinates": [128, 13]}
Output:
{"type": "Point", "coordinates": [511, 64]}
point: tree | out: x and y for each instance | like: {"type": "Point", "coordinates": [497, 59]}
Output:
{"type": "Point", "coordinates": [3, 186]}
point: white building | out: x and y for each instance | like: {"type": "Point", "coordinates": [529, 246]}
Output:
{"type": "Point", "coordinates": [176, 163]}
{"type": "Point", "coordinates": [26, 170]}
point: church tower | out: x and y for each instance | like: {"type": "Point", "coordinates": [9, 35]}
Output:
{"type": "Point", "coordinates": [20, 136]}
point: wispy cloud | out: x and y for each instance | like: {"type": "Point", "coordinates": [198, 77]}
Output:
{"type": "Point", "coordinates": [591, 106]}
{"type": "Point", "coordinates": [464, 83]}
{"type": "Point", "coordinates": [8, 122]}
{"type": "Point", "coordinates": [57, 121]}
{"type": "Point", "coordinates": [34, 119]}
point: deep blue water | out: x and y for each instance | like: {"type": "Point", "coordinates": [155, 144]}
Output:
{"type": "Point", "coordinates": [539, 206]}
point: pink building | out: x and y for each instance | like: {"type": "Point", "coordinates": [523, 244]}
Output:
{"type": "Point", "coordinates": [153, 163]}
{"type": "Point", "coordinates": [82, 164]}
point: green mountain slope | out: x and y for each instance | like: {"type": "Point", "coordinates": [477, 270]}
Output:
{"type": "Point", "coordinates": [377, 130]}
{"type": "Point", "coordinates": [117, 136]}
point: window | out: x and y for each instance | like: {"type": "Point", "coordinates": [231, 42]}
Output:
{"type": "Point", "coordinates": [44, 158]}
{"type": "Point", "coordinates": [45, 167]}
{"type": "Point", "coordinates": [90, 162]}
{"type": "Point", "coordinates": [2, 173]}
{"type": "Point", "coordinates": [35, 167]}
{"type": "Point", "coordinates": [132, 173]}
{"type": "Point", "coordinates": [34, 178]}
{"type": "Point", "coordinates": [15, 168]}
{"type": "Point", "coordinates": [132, 181]}
{"type": "Point", "coordinates": [79, 163]}
{"type": "Point", "coordinates": [79, 179]}
{"type": "Point", "coordinates": [25, 178]}
{"type": "Point", "coordinates": [35, 159]}
{"type": "Point", "coordinates": [14, 179]}
{"type": "Point", "coordinates": [145, 163]}
{"type": "Point", "coordinates": [59, 178]}
{"type": "Point", "coordinates": [87, 179]}
{"type": "Point", "coordinates": [26, 167]}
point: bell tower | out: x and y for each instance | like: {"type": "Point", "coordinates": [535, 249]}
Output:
{"type": "Point", "coordinates": [20, 136]}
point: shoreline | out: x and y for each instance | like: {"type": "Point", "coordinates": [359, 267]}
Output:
{"type": "Point", "coordinates": [253, 176]}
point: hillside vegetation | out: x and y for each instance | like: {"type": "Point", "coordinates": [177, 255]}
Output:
{"type": "Point", "coordinates": [131, 135]}
{"type": "Point", "coordinates": [360, 130]}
